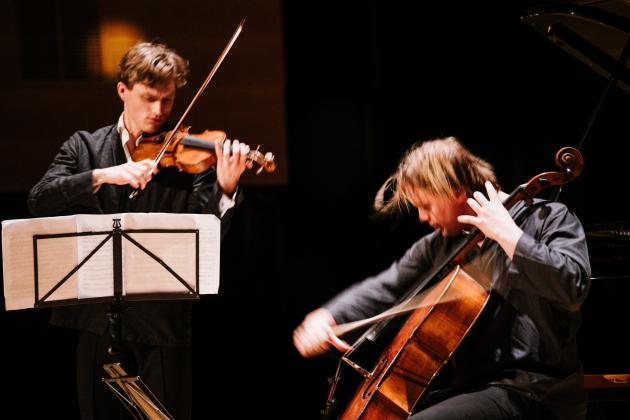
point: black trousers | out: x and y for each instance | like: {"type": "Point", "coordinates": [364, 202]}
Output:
{"type": "Point", "coordinates": [491, 403]}
{"type": "Point", "coordinates": [167, 372]}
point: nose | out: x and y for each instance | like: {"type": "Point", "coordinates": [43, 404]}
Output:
{"type": "Point", "coordinates": [157, 107]}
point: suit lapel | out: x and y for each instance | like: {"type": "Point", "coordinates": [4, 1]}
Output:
{"type": "Point", "coordinates": [112, 154]}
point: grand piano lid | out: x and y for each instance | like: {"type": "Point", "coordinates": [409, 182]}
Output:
{"type": "Point", "coordinates": [595, 32]}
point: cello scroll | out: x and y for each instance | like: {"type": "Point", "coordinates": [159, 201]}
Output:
{"type": "Point", "coordinates": [567, 158]}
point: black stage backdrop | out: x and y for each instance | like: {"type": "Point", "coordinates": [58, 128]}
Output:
{"type": "Point", "coordinates": [364, 80]}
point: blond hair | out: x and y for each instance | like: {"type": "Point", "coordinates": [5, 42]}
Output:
{"type": "Point", "coordinates": [152, 63]}
{"type": "Point", "coordinates": [443, 167]}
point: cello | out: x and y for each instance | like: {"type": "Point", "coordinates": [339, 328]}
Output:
{"type": "Point", "coordinates": [439, 320]}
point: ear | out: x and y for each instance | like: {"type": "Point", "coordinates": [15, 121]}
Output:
{"type": "Point", "coordinates": [461, 197]}
{"type": "Point", "coordinates": [461, 201]}
{"type": "Point", "coordinates": [122, 89]}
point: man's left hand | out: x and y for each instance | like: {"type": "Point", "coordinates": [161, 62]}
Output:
{"type": "Point", "coordinates": [231, 163]}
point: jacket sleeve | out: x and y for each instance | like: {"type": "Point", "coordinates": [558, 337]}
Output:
{"type": "Point", "coordinates": [205, 198]}
{"type": "Point", "coordinates": [554, 262]}
{"type": "Point", "coordinates": [376, 294]}
{"type": "Point", "coordinates": [64, 185]}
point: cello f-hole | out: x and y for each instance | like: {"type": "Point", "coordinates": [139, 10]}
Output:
{"type": "Point", "coordinates": [376, 375]}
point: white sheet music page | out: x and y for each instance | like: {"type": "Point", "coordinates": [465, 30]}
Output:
{"type": "Point", "coordinates": [209, 252]}
{"type": "Point", "coordinates": [96, 276]}
{"type": "Point", "coordinates": [56, 258]}
{"type": "Point", "coordinates": [143, 274]}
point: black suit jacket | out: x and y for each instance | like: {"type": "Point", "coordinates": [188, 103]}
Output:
{"type": "Point", "coordinates": [66, 188]}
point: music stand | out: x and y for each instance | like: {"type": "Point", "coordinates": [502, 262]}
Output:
{"type": "Point", "coordinates": [134, 394]}
{"type": "Point", "coordinates": [116, 235]}
{"type": "Point", "coordinates": [130, 390]}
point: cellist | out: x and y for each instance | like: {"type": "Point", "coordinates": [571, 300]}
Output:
{"type": "Point", "coordinates": [520, 359]}
{"type": "Point", "coordinates": [93, 172]}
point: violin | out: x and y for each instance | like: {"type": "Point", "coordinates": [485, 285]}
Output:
{"type": "Point", "coordinates": [192, 153]}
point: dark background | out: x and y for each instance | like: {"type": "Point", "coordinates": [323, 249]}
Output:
{"type": "Point", "coordinates": [364, 80]}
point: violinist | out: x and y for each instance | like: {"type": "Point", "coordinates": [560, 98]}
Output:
{"type": "Point", "coordinates": [520, 358]}
{"type": "Point", "coordinates": [94, 172]}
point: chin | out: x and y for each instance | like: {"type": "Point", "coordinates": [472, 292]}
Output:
{"type": "Point", "coordinates": [151, 129]}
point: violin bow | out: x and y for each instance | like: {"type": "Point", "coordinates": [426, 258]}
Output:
{"type": "Point", "coordinates": [216, 66]}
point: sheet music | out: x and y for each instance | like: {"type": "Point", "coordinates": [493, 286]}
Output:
{"type": "Point", "coordinates": [96, 277]}
{"type": "Point", "coordinates": [17, 260]}
{"type": "Point", "coordinates": [141, 273]}
{"type": "Point", "coordinates": [57, 257]}
{"type": "Point", "coordinates": [177, 250]}
{"type": "Point", "coordinates": [209, 253]}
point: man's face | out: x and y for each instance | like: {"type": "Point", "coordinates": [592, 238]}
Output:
{"type": "Point", "coordinates": [146, 107]}
{"type": "Point", "coordinates": [440, 212]}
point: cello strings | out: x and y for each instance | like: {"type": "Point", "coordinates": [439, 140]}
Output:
{"type": "Point", "coordinates": [417, 302]}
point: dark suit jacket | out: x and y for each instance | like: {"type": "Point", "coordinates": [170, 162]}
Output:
{"type": "Point", "coordinates": [66, 188]}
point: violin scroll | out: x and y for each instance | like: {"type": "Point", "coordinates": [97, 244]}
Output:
{"type": "Point", "coordinates": [267, 161]}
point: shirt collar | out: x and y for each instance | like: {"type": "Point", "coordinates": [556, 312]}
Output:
{"type": "Point", "coordinates": [124, 135]}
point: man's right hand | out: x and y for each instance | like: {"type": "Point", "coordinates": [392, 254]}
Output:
{"type": "Point", "coordinates": [315, 335]}
{"type": "Point", "coordinates": [136, 174]}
